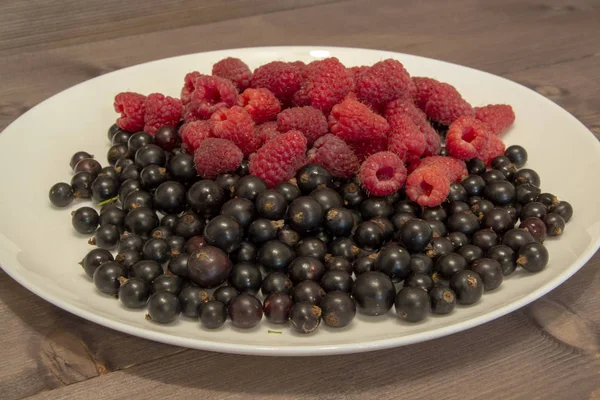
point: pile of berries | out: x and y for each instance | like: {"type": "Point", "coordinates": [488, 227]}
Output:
{"type": "Point", "coordinates": [303, 193]}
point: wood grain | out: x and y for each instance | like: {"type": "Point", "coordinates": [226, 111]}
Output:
{"type": "Point", "coordinates": [549, 350]}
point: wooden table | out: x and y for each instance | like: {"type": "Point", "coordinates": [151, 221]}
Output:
{"type": "Point", "coordinates": [548, 350]}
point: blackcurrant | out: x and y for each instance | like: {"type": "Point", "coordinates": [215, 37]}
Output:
{"type": "Point", "coordinates": [532, 257]}
{"type": "Point", "coordinates": [490, 272]}
{"type": "Point", "coordinates": [412, 304]}
{"type": "Point", "coordinates": [275, 255]}
{"type": "Point", "coordinates": [468, 287]}
{"type": "Point", "coordinates": [271, 204]}
{"type": "Point", "coordinates": [374, 293]}
{"type": "Point", "coordinates": [134, 293]}
{"type": "Point", "coordinates": [163, 307]}
{"type": "Point", "coordinates": [191, 298]}
{"type": "Point", "coordinates": [85, 220]}
{"type": "Point", "coordinates": [338, 309]}
{"type": "Point", "coordinates": [245, 277]}
{"type": "Point", "coordinates": [61, 194]}
{"type": "Point", "coordinates": [107, 277]}
{"type": "Point", "coordinates": [245, 311]}
{"type": "Point", "coordinates": [277, 308]}
{"type": "Point", "coordinates": [93, 259]}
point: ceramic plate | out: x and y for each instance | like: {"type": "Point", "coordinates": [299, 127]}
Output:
{"type": "Point", "coordinates": [40, 250]}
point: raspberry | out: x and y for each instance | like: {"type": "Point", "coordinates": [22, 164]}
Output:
{"type": "Point", "coordinates": [424, 88]}
{"type": "Point", "coordinates": [407, 107]}
{"type": "Point", "coordinates": [455, 169]}
{"type": "Point", "coordinates": [327, 83]}
{"type": "Point", "coordinates": [308, 120]}
{"type": "Point", "coordinates": [161, 110]}
{"type": "Point", "coordinates": [495, 147]}
{"type": "Point", "coordinates": [261, 104]}
{"type": "Point", "coordinates": [334, 154]}
{"type": "Point", "coordinates": [211, 93]}
{"type": "Point", "coordinates": [266, 131]}
{"type": "Point", "coordinates": [194, 132]}
{"type": "Point", "coordinates": [235, 70]}
{"type": "Point", "coordinates": [356, 71]}
{"type": "Point", "coordinates": [365, 149]}
{"type": "Point", "coordinates": [382, 173]}
{"type": "Point", "coordinates": [427, 186]}
{"type": "Point", "coordinates": [353, 121]}
{"type": "Point", "coordinates": [132, 107]}
{"type": "Point", "coordinates": [466, 138]}
{"type": "Point", "coordinates": [434, 144]}
{"type": "Point", "coordinates": [445, 105]}
{"type": "Point", "coordinates": [497, 117]}
{"type": "Point", "coordinates": [385, 81]}
{"type": "Point", "coordinates": [281, 78]}
{"type": "Point", "coordinates": [405, 139]}
{"type": "Point", "coordinates": [278, 160]}
{"type": "Point", "coordinates": [189, 86]}
{"type": "Point", "coordinates": [216, 156]}
{"type": "Point", "coordinates": [235, 124]}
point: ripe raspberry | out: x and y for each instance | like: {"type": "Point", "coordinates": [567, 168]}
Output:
{"type": "Point", "coordinates": [495, 147]}
{"type": "Point", "coordinates": [261, 104]}
{"type": "Point", "coordinates": [385, 81]}
{"type": "Point", "coordinates": [235, 124]}
{"type": "Point", "coordinates": [455, 169]}
{"type": "Point", "coordinates": [356, 71]}
{"type": "Point", "coordinates": [281, 78]}
{"type": "Point", "coordinates": [405, 139]}
{"type": "Point", "coordinates": [327, 83]}
{"type": "Point", "coordinates": [382, 173]}
{"type": "Point", "coordinates": [161, 110]}
{"type": "Point", "coordinates": [434, 144]}
{"type": "Point", "coordinates": [466, 138]}
{"type": "Point", "coordinates": [211, 93]}
{"type": "Point", "coordinates": [308, 120]}
{"type": "Point", "coordinates": [189, 86]}
{"type": "Point", "coordinates": [427, 186]}
{"type": "Point", "coordinates": [334, 154]}
{"type": "Point", "coordinates": [216, 156]}
{"type": "Point", "coordinates": [364, 149]}
{"type": "Point", "coordinates": [132, 107]}
{"type": "Point", "coordinates": [266, 131]}
{"type": "Point", "coordinates": [353, 121]}
{"type": "Point", "coordinates": [407, 107]}
{"type": "Point", "coordinates": [278, 160]}
{"type": "Point", "coordinates": [497, 117]}
{"type": "Point", "coordinates": [424, 88]}
{"type": "Point", "coordinates": [194, 132]}
{"type": "Point", "coordinates": [235, 70]}
{"type": "Point", "coordinates": [445, 105]}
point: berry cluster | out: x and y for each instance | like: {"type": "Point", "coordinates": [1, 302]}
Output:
{"type": "Point", "coordinates": [306, 193]}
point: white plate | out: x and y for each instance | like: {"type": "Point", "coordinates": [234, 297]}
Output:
{"type": "Point", "coordinates": [39, 248]}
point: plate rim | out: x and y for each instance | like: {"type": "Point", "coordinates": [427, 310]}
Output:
{"type": "Point", "coordinates": [308, 350]}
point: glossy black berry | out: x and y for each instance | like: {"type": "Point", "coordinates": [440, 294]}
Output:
{"type": "Point", "coordinates": [150, 154]}
{"type": "Point", "coordinates": [515, 238]}
{"type": "Point", "coordinates": [262, 230]}
{"type": "Point", "coordinates": [104, 188]}
{"type": "Point", "coordinates": [176, 243]}
{"type": "Point", "coordinates": [517, 155]}
{"type": "Point", "coordinates": [533, 257]}
{"type": "Point", "coordinates": [470, 252]}
{"type": "Point", "coordinates": [476, 166]}
{"type": "Point", "coordinates": [376, 207]}
{"type": "Point", "coordinates": [141, 221]}
{"type": "Point", "coordinates": [226, 182]}
{"type": "Point", "coordinates": [61, 194]}
{"type": "Point", "coordinates": [124, 162]}
{"type": "Point", "coordinates": [130, 241]}
{"type": "Point", "coordinates": [240, 209]}
{"type": "Point", "coordinates": [336, 280]}
{"type": "Point", "coordinates": [536, 227]}
{"type": "Point", "coordinates": [275, 255]}
{"type": "Point", "coordinates": [170, 197]}
{"type": "Point", "coordinates": [386, 227]}
{"type": "Point", "coordinates": [168, 283]}
{"type": "Point", "coordinates": [344, 247]}
{"type": "Point", "coordinates": [369, 235]}
{"type": "Point", "coordinates": [152, 176]}
{"type": "Point", "coordinates": [500, 192]}
{"type": "Point", "coordinates": [412, 304]}
{"type": "Point", "coordinates": [191, 298]}
{"type": "Point", "coordinates": [505, 256]}
{"type": "Point", "coordinates": [310, 291]}
{"type": "Point", "coordinates": [276, 282]}
{"type": "Point", "coordinates": [289, 191]}
{"type": "Point", "coordinates": [188, 225]}
{"type": "Point", "coordinates": [277, 307]}
{"type": "Point", "coordinates": [434, 213]}
{"type": "Point", "coordinates": [305, 214]}
{"type": "Point", "coordinates": [374, 293]}
{"type": "Point", "coordinates": [117, 151]}
{"type": "Point", "coordinates": [534, 209]}
{"type": "Point", "coordinates": [352, 194]}
{"type": "Point", "coordinates": [112, 215]}
{"type": "Point", "coordinates": [311, 247]}
{"type": "Point", "coordinates": [162, 232]}
{"type": "Point", "coordinates": [178, 265]}
{"type": "Point", "coordinates": [225, 294]}
{"type": "Point", "coordinates": [338, 264]}
{"type": "Point", "coordinates": [339, 222]}
{"type": "Point", "coordinates": [245, 277]}
{"type": "Point", "coordinates": [471, 201]}
{"type": "Point", "coordinates": [421, 264]}
{"type": "Point", "coordinates": [121, 136]}
{"type": "Point", "coordinates": [157, 250]}
{"type": "Point", "coordinates": [499, 220]}
{"type": "Point", "coordinates": [481, 208]}
{"type": "Point", "coordinates": [420, 280]}
{"type": "Point", "coordinates": [457, 193]}
{"type": "Point", "coordinates": [81, 183]}
{"type": "Point", "coordinates": [449, 264]}
{"type": "Point", "coordinates": [88, 165]}
{"type": "Point", "coordinates": [468, 287]}
{"type": "Point", "coordinates": [163, 307]}
{"type": "Point", "coordinates": [507, 168]}
{"type": "Point", "coordinates": [547, 199]}
{"type": "Point", "coordinates": [249, 187]}
{"type": "Point", "coordinates": [526, 193]}
{"type": "Point", "coordinates": [147, 270]}
{"type": "Point", "coordinates": [224, 232]}
{"type": "Point", "coordinates": [438, 247]}
{"type": "Point", "coordinates": [181, 168]}
{"type": "Point", "coordinates": [112, 130]}
{"type": "Point", "coordinates": [288, 236]}
{"type": "Point", "coordinates": [415, 235]}
{"type": "Point", "coordinates": [205, 197]}
{"type": "Point", "coordinates": [555, 224]}
{"type": "Point", "coordinates": [443, 300]}
{"type": "Point", "coordinates": [338, 309]}
{"type": "Point", "coordinates": [106, 277]}
{"type": "Point", "coordinates": [93, 259]}
{"type": "Point", "coordinates": [526, 175]}
{"type": "Point", "coordinates": [137, 199]}
{"type": "Point", "coordinates": [305, 317]}
{"type": "Point", "coordinates": [245, 311]}
{"type": "Point", "coordinates": [490, 272]}
{"type": "Point", "coordinates": [306, 268]}
{"type": "Point", "coordinates": [485, 238]}
{"type": "Point", "coordinates": [212, 314]}
{"type": "Point", "coordinates": [363, 264]}
{"type": "Point", "coordinates": [127, 258]}
{"type": "Point", "coordinates": [127, 187]}
{"type": "Point", "coordinates": [492, 175]}
{"type": "Point", "coordinates": [106, 237]}
{"type": "Point", "coordinates": [456, 207]}
{"type": "Point", "coordinates": [243, 168]}
{"type": "Point", "coordinates": [327, 198]}
{"type": "Point", "coordinates": [78, 156]}
{"type": "Point", "coordinates": [134, 292]}
{"type": "Point", "coordinates": [246, 252]}
{"type": "Point", "coordinates": [465, 222]}
{"type": "Point", "coordinates": [473, 185]}
{"type": "Point", "coordinates": [166, 137]}
{"type": "Point", "coordinates": [563, 209]}
{"type": "Point", "coordinates": [111, 172]}
{"type": "Point", "coordinates": [208, 267]}
{"type": "Point", "coordinates": [312, 176]}
{"type": "Point", "coordinates": [85, 220]}
{"type": "Point", "coordinates": [270, 204]}
{"type": "Point", "coordinates": [458, 239]}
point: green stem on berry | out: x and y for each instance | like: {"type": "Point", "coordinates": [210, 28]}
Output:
{"type": "Point", "coordinates": [108, 201]}
{"type": "Point", "coordinates": [275, 332]}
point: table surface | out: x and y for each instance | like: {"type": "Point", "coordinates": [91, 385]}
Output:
{"type": "Point", "coordinates": [548, 350]}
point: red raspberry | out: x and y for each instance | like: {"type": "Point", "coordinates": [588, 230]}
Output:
{"type": "Point", "coordinates": [194, 132]}
{"type": "Point", "coordinates": [261, 104]}
{"type": "Point", "coordinates": [235, 70]}
{"type": "Point", "coordinates": [466, 138]}
{"type": "Point", "coordinates": [495, 147]}
{"type": "Point", "coordinates": [278, 160]}
{"type": "Point", "coordinates": [353, 121]}
{"type": "Point", "coordinates": [407, 107]}
{"type": "Point", "coordinates": [405, 139]}
{"type": "Point", "coordinates": [385, 81]}
{"type": "Point", "coordinates": [497, 117]}
{"type": "Point", "coordinates": [189, 86]}
{"type": "Point", "coordinates": [266, 131]}
{"type": "Point", "coordinates": [427, 186]}
{"type": "Point", "coordinates": [382, 173]}
{"type": "Point", "coordinates": [211, 94]}
{"type": "Point", "coordinates": [132, 107]}
{"type": "Point", "coordinates": [235, 124]}
{"type": "Point", "coordinates": [216, 156]}
{"type": "Point", "coordinates": [445, 105]}
{"type": "Point", "coordinates": [334, 154]}
{"type": "Point", "coordinates": [356, 71]}
{"type": "Point", "coordinates": [327, 83]}
{"type": "Point", "coordinates": [365, 149]}
{"type": "Point", "coordinates": [424, 87]}
{"type": "Point", "coordinates": [161, 110]}
{"type": "Point", "coordinates": [281, 78]}
{"type": "Point", "coordinates": [308, 120]}
{"type": "Point", "coordinates": [434, 144]}
{"type": "Point", "coordinates": [455, 169]}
